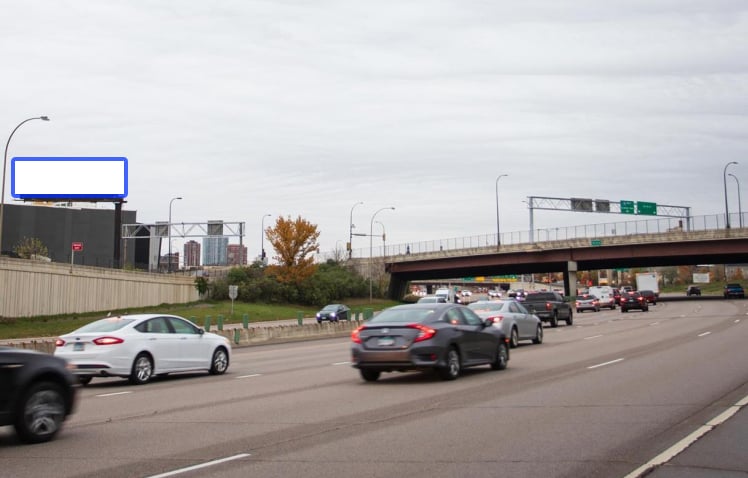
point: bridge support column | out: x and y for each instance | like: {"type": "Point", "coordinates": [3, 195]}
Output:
{"type": "Point", "coordinates": [397, 288]}
{"type": "Point", "coordinates": [570, 279]}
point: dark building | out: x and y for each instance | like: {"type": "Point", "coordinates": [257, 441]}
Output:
{"type": "Point", "coordinates": [191, 254]}
{"type": "Point", "coordinates": [58, 227]}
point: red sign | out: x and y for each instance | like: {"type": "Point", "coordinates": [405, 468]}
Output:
{"type": "Point", "coordinates": [77, 246]}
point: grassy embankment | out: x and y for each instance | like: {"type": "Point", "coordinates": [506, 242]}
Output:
{"type": "Point", "coordinates": [52, 326]}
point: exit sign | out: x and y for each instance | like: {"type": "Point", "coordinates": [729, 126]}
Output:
{"type": "Point", "coordinates": [627, 207]}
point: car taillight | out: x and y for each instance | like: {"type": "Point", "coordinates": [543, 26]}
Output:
{"type": "Point", "coordinates": [59, 343]}
{"type": "Point", "coordinates": [548, 306]}
{"type": "Point", "coordinates": [497, 319]}
{"type": "Point", "coordinates": [108, 341]}
{"type": "Point", "coordinates": [425, 333]}
{"type": "Point", "coordinates": [356, 335]}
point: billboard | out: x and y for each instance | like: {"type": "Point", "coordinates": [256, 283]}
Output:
{"type": "Point", "coordinates": [68, 178]}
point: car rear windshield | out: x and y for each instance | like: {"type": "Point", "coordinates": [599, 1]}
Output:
{"type": "Point", "coordinates": [403, 316]}
{"type": "Point", "coordinates": [541, 296]}
{"type": "Point", "coordinates": [106, 325]}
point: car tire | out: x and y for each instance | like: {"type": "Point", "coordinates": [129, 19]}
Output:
{"type": "Point", "coordinates": [453, 365]}
{"type": "Point", "coordinates": [502, 357]}
{"type": "Point", "coordinates": [538, 335]}
{"type": "Point", "coordinates": [41, 412]}
{"type": "Point", "coordinates": [579, 311]}
{"type": "Point", "coordinates": [85, 380]}
{"type": "Point", "coordinates": [570, 319]}
{"type": "Point", "coordinates": [219, 363]}
{"type": "Point", "coordinates": [370, 375]}
{"type": "Point", "coordinates": [623, 310]}
{"type": "Point", "coordinates": [554, 319]}
{"type": "Point", "coordinates": [514, 338]}
{"type": "Point", "coordinates": [319, 321]}
{"type": "Point", "coordinates": [142, 369]}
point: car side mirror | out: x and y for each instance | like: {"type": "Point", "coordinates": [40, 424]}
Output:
{"type": "Point", "coordinates": [201, 331]}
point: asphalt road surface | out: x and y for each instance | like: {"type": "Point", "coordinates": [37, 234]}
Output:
{"type": "Point", "coordinates": [599, 398]}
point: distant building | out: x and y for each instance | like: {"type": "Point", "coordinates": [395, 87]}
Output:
{"type": "Point", "coordinates": [215, 251]}
{"type": "Point", "coordinates": [237, 254]}
{"type": "Point", "coordinates": [191, 254]}
{"type": "Point", "coordinates": [163, 263]}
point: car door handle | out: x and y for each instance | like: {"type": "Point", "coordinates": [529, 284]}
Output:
{"type": "Point", "coordinates": [152, 338]}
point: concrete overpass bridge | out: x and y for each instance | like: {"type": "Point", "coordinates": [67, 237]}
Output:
{"type": "Point", "coordinates": [672, 247]}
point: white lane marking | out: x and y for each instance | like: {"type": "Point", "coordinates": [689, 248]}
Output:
{"type": "Point", "coordinates": [654, 323]}
{"type": "Point", "coordinates": [112, 394]}
{"type": "Point", "coordinates": [202, 465]}
{"type": "Point", "coordinates": [593, 337]}
{"type": "Point", "coordinates": [704, 334]}
{"type": "Point", "coordinates": [737, 321]}
{"type": "Point", "coordinates": [249, 376]}
{"type": "Point", "coordinates": [606, 363]}
{"type": "Point", "coordinates": [342, 363]}
{"type": "Point", "coordinates": [674, 450]}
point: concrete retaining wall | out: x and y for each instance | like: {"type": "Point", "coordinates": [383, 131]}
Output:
{"type": "Point", "coordinates": [32, 288]}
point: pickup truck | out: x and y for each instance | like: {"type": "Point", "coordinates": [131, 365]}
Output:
{"type": "Point", "coordinates": [734, 290]}
{"type": "Point", "coordinates": [549, 307]}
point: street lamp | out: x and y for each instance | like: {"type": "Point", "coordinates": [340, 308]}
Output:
{"type": "Point", "coordinates": [740, 208]}
{"type": "Point", "coordinates": [498, 232]}
{"type": "Point", "coordinates": [169, 228]}
{"type": "Point", "coordinates": [350, 231]}
{"type": "Point", "coordinates": [371, 249]}
{"type": "Point", "coordinates": [384, 242]}
{"type": "Point", "coordinates": [262, 239]}
{"type": "Point", "coordinates": [5, 164]}
{"type": "Point", "coordinates": [724, 178]}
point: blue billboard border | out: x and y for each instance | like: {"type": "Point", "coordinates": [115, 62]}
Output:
{"type": "Point", "coordinates": [67, 196]}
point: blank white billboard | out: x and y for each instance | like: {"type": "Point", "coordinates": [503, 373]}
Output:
{"type": "Point", "coordinates": [68, 178]}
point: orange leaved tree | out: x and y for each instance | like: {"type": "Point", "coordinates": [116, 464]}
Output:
{"type": "Point", "coordinates": [294, 241]}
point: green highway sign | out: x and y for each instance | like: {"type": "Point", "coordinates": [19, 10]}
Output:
{"type": "Point", "coordinates": [627, 207]}
{"type": "Point", "coordinates": [596, 242]}
{"type": "Point", "coordinates": [646, 208]}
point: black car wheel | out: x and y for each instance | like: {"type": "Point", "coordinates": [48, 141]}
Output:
{"type": "Point", "coordinates": [220, 362]}
{"type": "Point", "coordinates": [85, 379]}
{"type": "Point", "coordinates": [142, 369]}
{"type": "Point", "coordinates": [370, 375]}
{"type": "Point", "coordinates": [570, 319]}
{"type": "Point", "coordinates": [502, 357]}
{"type": "Point", "coordinates": [538, 335]}
{"type": "Point", "coordinates": [452, 370]}
{"type": "Point", "coordinates": [554, 319]}
{"type": "Point", "coordinates": [624, 310]}
{"type": "Point", "coordinates": [41, 413]}
{"type": "Point", "coordinates": [514, 338]}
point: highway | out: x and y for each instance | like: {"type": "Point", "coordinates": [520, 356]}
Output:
{"type": "Point", "coordinates": [599, 398]}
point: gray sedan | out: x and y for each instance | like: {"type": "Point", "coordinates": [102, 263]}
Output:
{"type": "Point", "coordinates": [512, 318]}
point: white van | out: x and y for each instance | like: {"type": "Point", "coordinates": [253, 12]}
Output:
{"type": "Point", "coordinates": [444, 292]}
{"type": "Point", "coordinates": [605, 294]}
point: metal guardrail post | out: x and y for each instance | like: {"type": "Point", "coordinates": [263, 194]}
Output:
{"type": "Point", "coordinates": [300, 317]}
{"type": "Point", "coordinates": [237, 336]}
{"type": "Point", "coordinates": [220, 322]}
{"type": "Point", "coordinates": [245, 321]}
{"type": "Point", "coordinates": [207, 323]}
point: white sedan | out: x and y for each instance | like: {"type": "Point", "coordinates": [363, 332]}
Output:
{"type": "Point", "coordinates": [141, 346]}
{"type": "Point", "coordinates": [512, 318]}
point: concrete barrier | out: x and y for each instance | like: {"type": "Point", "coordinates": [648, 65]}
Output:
{"type": "Point", "coordinates": [259, 335]}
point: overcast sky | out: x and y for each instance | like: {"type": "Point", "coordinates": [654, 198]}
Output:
{"type": "Point", "coordinates": [246, 108]}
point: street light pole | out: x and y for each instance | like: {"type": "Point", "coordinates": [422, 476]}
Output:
{"type": "Point", "coordinates": [498, 231]}
{"type": "Point", "coordinates": [262, 239]}
{"type": "Point", "coordinates": [169, 229]}
{"type": "Point", "coordinates": [384, 242]}
{"type": "Point", "coordinates": [350, 231]}
{"type": "Point", "coordinates": [724, 180]}
{"type": "Point", "coordinates": [740, 207]}
{"type": "Point", "coordinates": [371, 249]}
{"type": "Point", "coordinates": [5, 165]}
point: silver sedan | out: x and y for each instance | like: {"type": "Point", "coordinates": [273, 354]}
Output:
{"type": "Point", "coordinates": [513, 318]}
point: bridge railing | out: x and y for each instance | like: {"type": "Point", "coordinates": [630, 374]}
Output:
{"type": "Point", "coordinates": [589, 231]}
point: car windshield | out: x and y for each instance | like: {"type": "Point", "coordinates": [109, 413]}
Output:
{"type": "Point", "coordinates": [109, 324]}
{"type": "Point", "coordinates": [404, 316]}
{"type": "Point", "coordinates": [486, 306]}
{"type": "Point", "coordinates": [331, 308]}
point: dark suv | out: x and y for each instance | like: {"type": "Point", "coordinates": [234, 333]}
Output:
{"type": "Point", "coordinates": [633, 300]}
{"type": "Point", "coordinates": [693, 290]}
{"type": "Point", "coordinates": [734, 290]}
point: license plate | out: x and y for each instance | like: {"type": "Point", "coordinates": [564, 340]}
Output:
{"type": "Point", "coordinates": [77, 347]}
{"type": "Point", "coordinates": [386, 341]}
